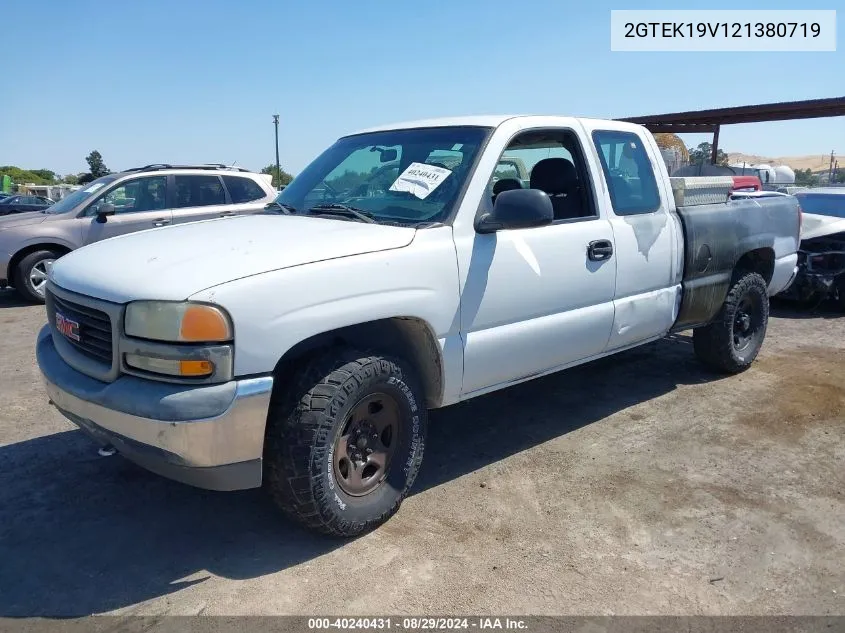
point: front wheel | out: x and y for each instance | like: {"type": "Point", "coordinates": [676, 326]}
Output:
{"type": "Point", "coordinates": [32, 272]}
{"type": "Point", "coordinates": [732, 341]}
{"type": "Point", "coordinates": [344, 445]}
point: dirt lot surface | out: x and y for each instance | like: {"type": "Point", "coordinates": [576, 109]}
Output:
{"type": "Point", "coordinates": [639, 484]}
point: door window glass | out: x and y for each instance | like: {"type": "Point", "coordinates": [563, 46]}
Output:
{"type": "Point", "coordinates": [199, 191]}
{"type": "Point", "coordinates": [551, 161]}
{"type": "Point", "coordinates": [140, 194]}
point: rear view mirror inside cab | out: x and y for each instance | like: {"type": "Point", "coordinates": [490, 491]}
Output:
{"type": "Point", "coordinates": [385, 155]}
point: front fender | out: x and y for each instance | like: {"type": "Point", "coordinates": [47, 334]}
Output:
{"type": "Point", "coordinates": [275, 311]}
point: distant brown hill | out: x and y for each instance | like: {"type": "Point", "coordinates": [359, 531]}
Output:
{"type": "Point", "coordinates": [814, 162]}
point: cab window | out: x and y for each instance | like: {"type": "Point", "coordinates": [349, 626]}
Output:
{"type": "Point", "coordinates": [628, 172]}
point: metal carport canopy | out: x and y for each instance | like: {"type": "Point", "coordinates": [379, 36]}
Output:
{"type": "Point", "coordinates": [709, 121]}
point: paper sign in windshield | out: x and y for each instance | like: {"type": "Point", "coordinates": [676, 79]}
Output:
{"type": "Point", "coordinates": [420, 179]}
{"type": "Point", "coordinates": [94, 187]}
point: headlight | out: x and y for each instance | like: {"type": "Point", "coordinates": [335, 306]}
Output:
{"type": "Point", "coordinates": [177, 322]}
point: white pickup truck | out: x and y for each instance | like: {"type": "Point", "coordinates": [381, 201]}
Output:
{"type": "Point", "coordinates": [401, 271]}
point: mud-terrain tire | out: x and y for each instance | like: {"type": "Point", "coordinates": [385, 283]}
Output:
{"type": "Point", "coordinates": [317, 467]}
{"type": "Point", "coordinates": [33, 265]}
{"type": "Point", "coordinates": [732, 341]}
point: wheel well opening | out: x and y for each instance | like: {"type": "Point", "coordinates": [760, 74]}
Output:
{"type": "Point", "coordinates": [17, 257]}
{"type": "Point", "coordinates": [405, 337]}
{"type": "Point", "coordinates": [761, 260]}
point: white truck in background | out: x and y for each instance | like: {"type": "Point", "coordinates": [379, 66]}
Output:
{"type": "Point", "coordinates": [300, 349]}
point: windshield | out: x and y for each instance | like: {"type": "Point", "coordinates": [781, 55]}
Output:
{"type": "Point", "coordinates": [71, 201]}
{"type": "Point", "coordinates": [395, 177]}
{"type": "Point", "coordinates": [832, 204]}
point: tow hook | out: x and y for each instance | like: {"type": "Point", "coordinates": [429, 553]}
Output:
{"type": "Point", "coordinates": [106, 451]}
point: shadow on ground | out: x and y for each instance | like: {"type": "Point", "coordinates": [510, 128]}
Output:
{"type": "Point", "coordinates": [9, 298]}
{"type": "Point", "coordinates": [784, 309]}
{"type": "Point", "coordinates": [82, 534]}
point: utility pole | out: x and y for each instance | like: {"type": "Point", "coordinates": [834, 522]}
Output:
{"type": "Point", "coordinates": [830, 169]}
{"type": "Point", "coordinates": [278, 167]}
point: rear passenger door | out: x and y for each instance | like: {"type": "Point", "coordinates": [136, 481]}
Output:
{"type": "Point", "coordinates": [246, 195]}
{"type": "Point", "coordinates": [647, 235]}
{"type": "Point", "coordinates": [198, 197]}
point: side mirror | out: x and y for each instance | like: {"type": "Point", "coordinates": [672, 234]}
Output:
{"type": "Point", "coordinates": [104, 211]}
{"type": "Point", "coordinates": [517, 209]}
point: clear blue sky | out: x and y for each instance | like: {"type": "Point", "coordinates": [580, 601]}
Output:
{"type": "Point", "coordinates": [187, 80]}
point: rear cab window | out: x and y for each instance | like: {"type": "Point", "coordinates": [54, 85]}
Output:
{"type": "Point", "coordinates": [627, 171]}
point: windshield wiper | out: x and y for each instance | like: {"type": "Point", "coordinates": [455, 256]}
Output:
{"type": "Point", "coordinates": [342, 209]}
{"type": "Point", "coordinates": [285, 208]}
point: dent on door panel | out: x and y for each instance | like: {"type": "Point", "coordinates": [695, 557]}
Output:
{"type": "Point", "coordinates": [645, 316]}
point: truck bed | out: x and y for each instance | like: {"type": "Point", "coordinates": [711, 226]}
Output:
{"type": "Point", "coordinates": [718, 238]}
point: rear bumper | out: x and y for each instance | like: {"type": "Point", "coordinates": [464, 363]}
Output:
{"type": "Point", "coordinates": [206, 436]}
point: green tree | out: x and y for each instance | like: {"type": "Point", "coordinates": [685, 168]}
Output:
{"type": "Point", "coordinates": [25, 176]}
{"type": "Point", "coordinates": [805, 178]}
{"type": "Point", "coordinates": [71, 179]}
{"type": "Point", "coordinates": [96, 165]}
{"type": "Point", "coordinates": [47, 175]}
{"type": "Point", "coordinates": [704, 151]}
{"type": "Point", "coordinates": [279, 177]}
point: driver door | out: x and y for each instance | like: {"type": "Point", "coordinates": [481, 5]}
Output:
{"type": "Point", "coordinates": [139, 203]}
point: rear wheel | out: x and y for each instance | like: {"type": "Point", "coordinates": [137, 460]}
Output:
{"type": "Point", "coordinates": [32, 272]}
{"type": "Point", "coordinates": [345, 444]}
{"type": "Point", "coordinates": [733, 340]}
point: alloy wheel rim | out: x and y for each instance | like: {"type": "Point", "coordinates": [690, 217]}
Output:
{"type": "Point", "coordinates": [39, 274]}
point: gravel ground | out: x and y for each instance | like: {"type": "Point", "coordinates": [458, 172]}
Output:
{"type": "Point", "coordinates": [638, 484]}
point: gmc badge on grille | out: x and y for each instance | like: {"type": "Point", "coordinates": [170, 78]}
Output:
{"type": "Point", "coordinates": [66, 326]}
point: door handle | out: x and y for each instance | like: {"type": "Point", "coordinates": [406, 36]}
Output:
{"type": "Point", "coordinates": [600, 250]}
{"type": "Point", "coordinates": [161, 222]}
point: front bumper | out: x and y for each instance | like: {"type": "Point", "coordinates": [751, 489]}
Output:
{"type": "Point", "coordinates": [209, 436]}
{"type": "Point", "coordinates": [812, 286]}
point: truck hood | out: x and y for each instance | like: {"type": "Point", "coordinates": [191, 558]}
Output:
{"type": "Point", "coordinates": [814, 225]}
{"type": "Point", "coordinates": [172, 263]}
{"type": "Point", "coordinates": [21, 219]}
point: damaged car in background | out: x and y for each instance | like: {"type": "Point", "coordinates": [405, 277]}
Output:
{"type": "Point", "coordinates": [821, 257]}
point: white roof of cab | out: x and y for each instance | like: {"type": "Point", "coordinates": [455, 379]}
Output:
{"type": "Point", "coordinates": [486, 120]}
